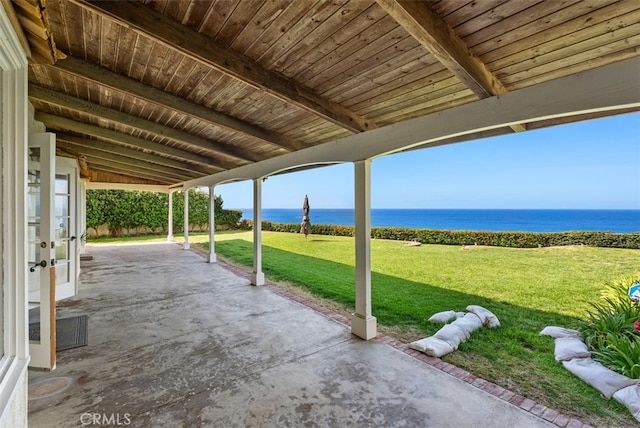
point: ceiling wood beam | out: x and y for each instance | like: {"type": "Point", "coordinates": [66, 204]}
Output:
{"type": "Point", "coordinates": [170, 33]}
{"type": "Point", "coordinates": [124, 160]}
{"type": "Point", "coordinates": [17, 27]}
{"type": "Point", "coordinates": [614, 87]}
{"type": "Point", "coordinates": [103, 146]}
{"type": "Point", "coordinates": [133, 170]}
{"type": "Point", "coordinates": [104, 77]}
{"type": "Point", "coordinates": [63, 124]}
{"type": "Point", "coordinates": [97, 166]}
{"type": "Point", "coordinates": [420, 20]}
{"type": "Point", "coordinates": [60, 99]}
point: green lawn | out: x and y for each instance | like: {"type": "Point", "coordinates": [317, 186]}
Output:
{"type": "Point", "coordinates": [527, 289]}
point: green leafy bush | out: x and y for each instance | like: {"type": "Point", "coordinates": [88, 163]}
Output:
{"type": "Point", "coordinates": [122, 209]}
{"type": "Point", "coordinates": [610, 329]}
{"type": "Point", "coordinates": [457, 237]}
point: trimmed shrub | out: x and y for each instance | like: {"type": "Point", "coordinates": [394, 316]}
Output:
{"type": "Point", "coordinates": [123, 210]}
{"type": "Point", "coordinates": [456, 237]}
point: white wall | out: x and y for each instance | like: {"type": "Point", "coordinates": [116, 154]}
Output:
{"type": "Point", "coordinates": [14, 350]}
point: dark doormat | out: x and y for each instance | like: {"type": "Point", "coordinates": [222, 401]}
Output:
{"type": "Point", "coordinates": [71, 332]}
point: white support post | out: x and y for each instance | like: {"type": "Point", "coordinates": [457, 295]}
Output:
{"type": "Point", "coordinates": [170, 219]}
{"type": "Point", "coordinates": [363, 324]}
{"type": "Point", "coordinates": [212, 225]}
{"type": "Point", "coordinates": [257, 276]}
{"type": "Point", "coordinates": [186, 219]}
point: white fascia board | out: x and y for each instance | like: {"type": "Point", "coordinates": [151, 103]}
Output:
{"type": "Point", "coordinates": [94, 185]}
{"type": "Point", "coordinates": [611, 87]}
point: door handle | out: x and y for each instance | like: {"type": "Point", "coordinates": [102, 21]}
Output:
{"type": "Point", "coordinates": [73, 238]}
{"type": "Point", "coordinates": [43, 263]}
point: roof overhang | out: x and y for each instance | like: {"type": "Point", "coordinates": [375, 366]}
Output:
{"type": "Point", "coordinates": [609, 88]}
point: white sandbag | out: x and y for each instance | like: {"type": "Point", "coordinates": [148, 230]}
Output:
{"type": "Point", "coordinates": [630, 397]}
{"type": "Point", "coordinates": [487, 317]}
{"type": "Point", "coordinates": [443, 316]}
{"type": "Point", "coordinates": [468, 323]}
{"type": "Point", "coordinates": [432, 346]}
{"type": "Point", "coordinates": [452, 335]}
{"type": "Point", "coordinates": [460, 314]}
{"type": "Point", "coordinates": [568, 348]}
{"type": "Point", "coordinates": [558, 332]}
{"type": "Point", "coordinates": [595, 374]}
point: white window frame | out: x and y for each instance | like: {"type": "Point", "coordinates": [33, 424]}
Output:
{"type": "Point", "coordinates": [14, 358]}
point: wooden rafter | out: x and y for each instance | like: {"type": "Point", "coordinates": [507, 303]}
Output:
{"type": "Point", "coordinates": [168, 32]}
{"type": "Point", "coordinates": [424, 24]}
{"type": "Point", "coordinates": [32, 17]}
{"type": "Point", "coordinates": [104, 77]}
{"type": "Point", "coordinates": [98, 176]}
{"type": "Point", "coordinates": [103, 146]}
{"type": "Point", "coordinates": [92, 154]}
{"type": "Point", "coordinates": [76, 104]}
{"type": "Point", "coordinates": [63, 124]}
{"type": "Point", "coordinates": [150, 172]}
{"type": "Point", "coordinates": [108, 167]}
{"type": "Point", "coordinates": [15, 23]}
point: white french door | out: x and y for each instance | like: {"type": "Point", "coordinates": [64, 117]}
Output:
{"type": "Point", "coordinates": [41, 249]}
{"type": "Point", "coordinates": [52, 269]}
{"type": "Point", "coordinates": [65, 232]}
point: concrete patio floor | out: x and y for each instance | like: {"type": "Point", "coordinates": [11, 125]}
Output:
{"type": "Point", "coordinates": [177, 342]}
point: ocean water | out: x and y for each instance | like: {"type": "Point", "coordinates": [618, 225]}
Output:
{"type": "Point", "coordinates": [619, 221]}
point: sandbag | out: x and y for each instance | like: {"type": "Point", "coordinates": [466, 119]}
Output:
{"type": "Point", "coordinates": [452, 335]}
{"type": "Point", "coordinates": [432, 346]}
{"type": "Point", "coordinates": [558, 332]}
{"type": "Point", "coordinates": [568, 348]}
{"type": "Point", "coordinates": [468, 323]}
{"type": "Point", "coordinates": [487, 317]}
{"type": "Point", "coordinates": [595, 374]}
{"type": "Point", "coordinates": [445, 316]}
{"type": "Point", "coordinates": [630, 397]}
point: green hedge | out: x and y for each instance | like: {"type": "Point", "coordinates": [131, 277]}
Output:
{"type": "Point", "coordinates": [451, 237]}
{"type": "Point", "coordinates": [124, 209]}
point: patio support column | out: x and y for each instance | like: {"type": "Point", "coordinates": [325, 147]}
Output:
{"type": "Point", "coordinates": [212, 225]}
{"type": "Point", "coordinates": [363, 324]}
{"type": "Point", "coordinates": [170, 220]}
{"type": "Point", "coordinates": [257, 276]}
{"type": "Point", "coordinates": [186, 219]}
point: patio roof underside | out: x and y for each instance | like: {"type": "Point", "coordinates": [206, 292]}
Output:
{"type": "Point", "coordinates": [162, 92]}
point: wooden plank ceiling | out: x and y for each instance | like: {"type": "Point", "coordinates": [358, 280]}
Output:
{"type": "Point", "coordinates": [158, 92]}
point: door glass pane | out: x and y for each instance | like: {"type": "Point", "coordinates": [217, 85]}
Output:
{"type": "Point", "coordinates": [62, 227]}
{"type": "Point", "coordinates": [34, 252]}
{"type": "Point", "coordinates": [33, 176]}
{"type": "Point", "coordinates": [62, 184]}
{"type": "Point", "coordinates": [62, 231]}
{"type": "Point", "coordinates": [62, 273]}
{"type": "Point", "coordinates": [62, 250]}
{"type": "Point", "coordinates": [62, 205]}
{"type": "Point", "coordinates": [33, 207]}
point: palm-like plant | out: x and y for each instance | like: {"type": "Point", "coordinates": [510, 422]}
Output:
{"type": "Point", "coordinates": [610, 329]}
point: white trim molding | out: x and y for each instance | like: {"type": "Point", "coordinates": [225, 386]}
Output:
{"type": "Point", "coordinates": [14, 108]}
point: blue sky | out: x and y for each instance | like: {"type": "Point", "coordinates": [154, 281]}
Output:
{"type": "Point", "coordinates": [586, 165]}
